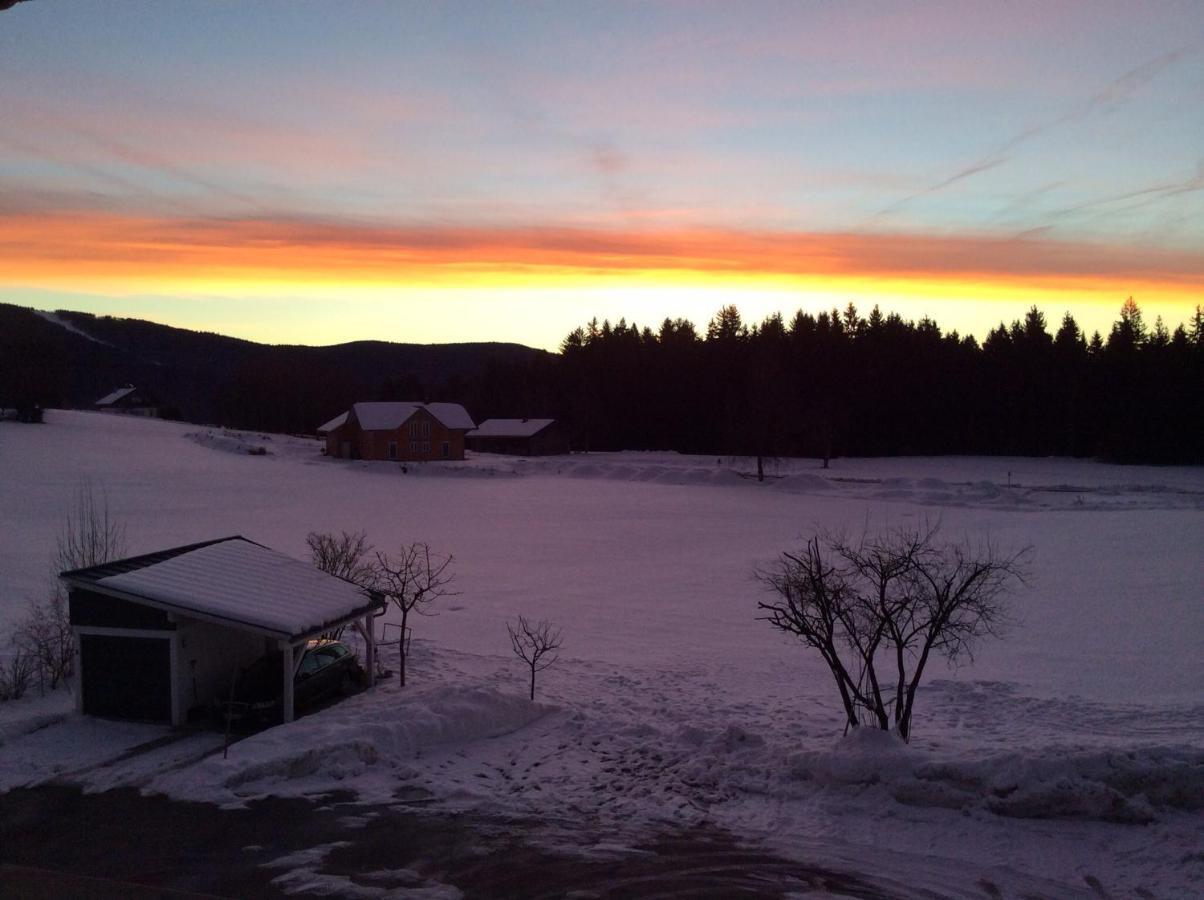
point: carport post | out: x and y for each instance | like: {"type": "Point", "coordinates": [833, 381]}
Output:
{"type": "Point", "coordinates": [177, 682]}
{"type": "Point", "coordinates": [77, 676]}
{"type": "Point", "coordinates": [286, 655]}
{"type": "Point", "coordinates": [370, 651]}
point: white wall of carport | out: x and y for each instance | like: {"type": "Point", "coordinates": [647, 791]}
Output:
{"type": "Point", "coordinates": [208, 655]}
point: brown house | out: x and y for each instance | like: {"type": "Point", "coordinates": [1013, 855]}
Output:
{"type": "Point", "coordinates": [407, 432]}
{"type": "Point", "coordinates": [519, 437]}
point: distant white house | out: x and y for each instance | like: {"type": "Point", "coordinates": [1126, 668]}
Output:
{"type": "Point", "coordinates": [519, 437]}
{"type": "Point", "coordinates": [129, 401]}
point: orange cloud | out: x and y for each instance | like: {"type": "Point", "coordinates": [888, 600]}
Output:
{"type": "Point", "coordinates": [53, 248]}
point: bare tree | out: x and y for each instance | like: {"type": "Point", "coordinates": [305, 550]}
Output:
{"type": "Point", "coordinates": [532, 643]}
{"type": "Point", "coordinates": [413, 580]}
{"type": "Point", "coordinates": [90, 535]}
{"type": "Point", "coordinates": [890, 600]}
{"type": "Point", "coordinates": [342, 555]}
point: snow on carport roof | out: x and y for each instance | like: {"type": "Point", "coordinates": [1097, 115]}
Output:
{"type": "Point", "coordinates": [241, 582]}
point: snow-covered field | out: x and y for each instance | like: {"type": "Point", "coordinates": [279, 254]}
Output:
{"type": "Point", "coordinates": [1067, 761]}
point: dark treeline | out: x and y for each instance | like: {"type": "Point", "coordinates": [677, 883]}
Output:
{"type": "Point", "coordinates": [833, 384]}
{"type": "Point", "coordinates": [846, 384]}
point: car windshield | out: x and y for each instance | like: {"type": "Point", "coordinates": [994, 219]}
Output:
{"type": "Point", "coordinates": [319, 657]}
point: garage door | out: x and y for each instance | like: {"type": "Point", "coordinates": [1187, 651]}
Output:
{"type": "Point", "coordinates": [126, 678]}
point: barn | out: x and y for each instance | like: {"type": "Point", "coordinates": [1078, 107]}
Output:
{"type": "Point", "coordinates": [160, 635]}
{"type": "Point", "coordinates": [129, 401]}
{"type": "Point", "coordinates": [403, 431]}
{"type": "Point", "coordinates": [519, 437]}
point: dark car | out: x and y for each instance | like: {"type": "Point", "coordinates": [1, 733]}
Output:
{"type": "Point", "coordinates": [327, 669]}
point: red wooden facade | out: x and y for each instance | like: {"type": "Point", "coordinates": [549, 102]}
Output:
{"type": "Point", "coordinates": [421, 436]}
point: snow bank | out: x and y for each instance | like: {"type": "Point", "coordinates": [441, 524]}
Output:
{"type": "Point", "coordinates": [1126, 787]}
{"type": "Point", "coordinates": [379, 732]}
{"type": "Point", "coordinates": [864, 756]}
{"type": "Point", "coordinates": [719, 768]}
{"type": "Point", "coordinates": [960, 483]}
{"type": "Point", "coordinates": [1129, 787]}
{"type": "Point", "coordinates": [233, 441]}
{"type": "Point", "coordinates": [803, 482]}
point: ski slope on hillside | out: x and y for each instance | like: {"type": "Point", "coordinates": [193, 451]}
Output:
{"type": "Point", "coordinates": [1072, 750]}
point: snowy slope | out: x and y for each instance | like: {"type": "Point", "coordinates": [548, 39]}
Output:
{"type": "Point", "coordinates": [63, 323]}
{"type": "Point", "coordinates": [1073, 750]}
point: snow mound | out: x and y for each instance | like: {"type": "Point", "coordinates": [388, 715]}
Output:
{"type": "Point", "coordinates": [863, 756]}
{"type": "Point", "coordinates": [803, 482]}
{"type": "Point", "coordinates": [953, 482]}
{"type": "Point", "coordinates": [1106, 786]}
{"type": "Point", "coordinates": [456, 469]}
{"type": "Point", "coordinates": [232, 441]}
{"type": "Point", "coordinates": [1109, 786]}
{"type": "Point", "coordinates": [383, 730]}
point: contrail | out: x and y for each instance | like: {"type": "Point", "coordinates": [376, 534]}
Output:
{"type": "Point", "coordinates": [1117, 91]}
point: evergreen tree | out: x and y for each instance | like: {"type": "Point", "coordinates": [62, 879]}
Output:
{"type": "Point", "coordinates": [1128, 333]}
{"type": "Point", "coordinates": [835, 383]}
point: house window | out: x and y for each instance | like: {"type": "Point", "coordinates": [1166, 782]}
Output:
{"type": "Point", "coordinates": [446, 450]}
{"type": "Point", "coordinates": [392, 450]}
{"type": "Point", "coordinates": [419, 429]}
{"type": "Point", "coordinates": [420, 448]}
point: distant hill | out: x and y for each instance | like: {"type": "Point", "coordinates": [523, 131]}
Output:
{"type": "Point", "coordinates": [73, 358]}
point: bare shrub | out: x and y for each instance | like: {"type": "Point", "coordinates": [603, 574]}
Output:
{"type": "Point", "coordinates": [532, 643]}
{"type": "Point", "coordinates": [891, 600]}
{"type": "Point", "coordinates": [412, 580]}
{"type": "Point", "coordinates": [46, 638]}
{"type": "Point", "coordinates": [16, 674]}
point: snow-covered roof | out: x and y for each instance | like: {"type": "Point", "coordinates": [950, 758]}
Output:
{"type": "Point", "coordinates": [515, 428]}
{"type": "Point", "coordinates": [110, 399]}
{"type": "Point", "coordinates": [237, 581]}
{"type": "Point", "coordinates": [388, 416]}
{"type": "Point", "coordinates": [332, 424]}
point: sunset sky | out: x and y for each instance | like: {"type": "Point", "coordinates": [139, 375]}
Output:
{"type": "Point", "coordinates": [319, 172]}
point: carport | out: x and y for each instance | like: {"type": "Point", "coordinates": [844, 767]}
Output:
{"type": "Point", "coordinates": [158, 635]}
